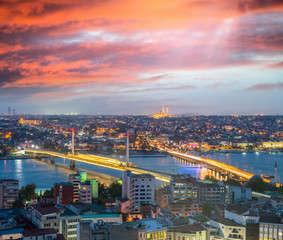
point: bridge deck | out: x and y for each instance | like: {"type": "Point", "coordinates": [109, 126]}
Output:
{"type": "Point", "coordinates": [103, 162]}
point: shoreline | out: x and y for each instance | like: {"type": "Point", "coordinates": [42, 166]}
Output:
{"type": "Point", "coordinates": [100, 177]}
{"type": "Point", "coordinates": [15, 158]}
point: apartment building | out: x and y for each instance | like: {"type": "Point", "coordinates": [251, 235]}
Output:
{"type": "Point", "coordinates": [228, 229]}
{"type": "Point", "coordinates": [183, 187]}
{"type": "Point", "coordinates": [9, 192]}
{"type": "Point", "coordinates": [138, 188]}
{"type": "Point", "coordinates": [270, 227]}
{"type": "Point", "coordinates": [187, 232]}
{"type": "Point", "coordinates": [44, 216]}
{"type": "Point", "coordinates": [63, 193]}
{"type": "Point", "coordinates": [85, 192]}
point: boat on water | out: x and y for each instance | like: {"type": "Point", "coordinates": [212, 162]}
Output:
{"type": "Point", "coordinates": [267, 176]}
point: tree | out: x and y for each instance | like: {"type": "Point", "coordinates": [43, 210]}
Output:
{"type": "Point", "coordinates": [233, 182]}
{"type": "Point", "coordinates": [18, 204]}
{"type": "Point", "coordinates": [115, 190]}
{"type": "Point", "coordinates": [48, 193]}
{"type": "Point", "coordinates": [256, 184]}
{"type": "Point", "coordinates": [210, 179]}
{"type": "Point", "coordinates": [27, 192]}
{"type": "Point", "coordinates": [280, 190]}
{"type": "Point", "coordinates": [206, 210]}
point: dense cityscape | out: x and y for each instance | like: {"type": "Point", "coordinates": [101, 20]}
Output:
{"type": "Point", "coordinates": [141, 120]}
{"type": "Point", "coordinates": [141, 203]}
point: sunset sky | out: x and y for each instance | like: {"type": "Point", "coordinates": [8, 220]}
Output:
{"type": "Point", "coordinates": [134, 56]}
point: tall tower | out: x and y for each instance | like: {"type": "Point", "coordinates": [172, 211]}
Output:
{"type": "Point", "coordinates": [9, 111]}
{"type": "Point", "coordinates": [163, 109]}
{"type": "Point", "coordinates": [167, 111]}
{"type": "Point", "coordinates": [73, 141]}
{"type": "Point", "coordinates": [127, 152]}
{"type": "Point", "coordinates": [275, 172]}
{"type": "Point", "coordinates": [73, 162]}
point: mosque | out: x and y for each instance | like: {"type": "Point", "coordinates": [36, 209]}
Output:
{"type": "Point", "coordinates": [162, 114]}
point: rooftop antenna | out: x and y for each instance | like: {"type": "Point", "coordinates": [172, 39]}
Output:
{"type": "Point", "coordinates": [275, 172]}
{"type": "Point", "coordinates": [127, 152]}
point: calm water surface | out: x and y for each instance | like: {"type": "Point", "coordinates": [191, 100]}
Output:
{"type": "Point", "coordinates": [45, 175]}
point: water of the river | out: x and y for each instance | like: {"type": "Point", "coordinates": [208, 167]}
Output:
{"type": "Point", "coordinates": [45, 175]}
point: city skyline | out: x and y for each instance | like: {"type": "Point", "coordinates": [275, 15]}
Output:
{"type": "Point", "coordinates": [124, 57]}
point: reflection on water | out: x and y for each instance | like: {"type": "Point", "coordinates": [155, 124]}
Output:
{"type": "Point", "coordinates": [45, 175]}
{"type": "Point", "coordinates": [256, 163]}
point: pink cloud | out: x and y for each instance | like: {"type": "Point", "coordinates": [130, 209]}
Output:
{"type": "Point", "coordinates": [266, 87]}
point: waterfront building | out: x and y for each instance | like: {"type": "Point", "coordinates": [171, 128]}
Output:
{"type": "Point", "coordinates": [188, 232]}
{"type": "Point", "coordinates": [81, 177]}
{"type": "Point", "coordinates": [138, 188]}
{"type": "Point", "coordinates": [44, 216]}
{"type": "Point", "coordinates": [75, 179]}
{"type": "Point", "coordinates": [9, 192]}
{"type": "Point", "coordinates": [63, 193]}
{"type": "Point", "coordinates": [85, 192]}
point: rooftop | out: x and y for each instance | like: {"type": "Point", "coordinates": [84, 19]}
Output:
{"type": "Point", "coordinates": [45, 209]}
{"type": "Point", "coordinates": [187, 228]}
{"type": "Point", "coordinates": [64, 184]}
{"type": "Point", "coordinates": [112, 215]}
{"type": "Point", "coordinates": [237, 209]}
{"type": "Point", "coordinates": [227, 222]}
{"type": "Point", "coordinates": [39, 232]}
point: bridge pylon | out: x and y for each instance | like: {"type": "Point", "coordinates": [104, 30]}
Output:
{"type": "Point", "coordinates": [128, 152]}
{"type": "Point", "coordinates": [52, 159]}
{"type": "Point", "coordinates": [72, 164]}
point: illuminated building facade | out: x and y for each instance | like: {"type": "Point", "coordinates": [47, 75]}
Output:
{"type": "Point", "coordinates": [85, 192]}
{"type": "Point", "coordinates": [30, 122]}
{"type": "Point", "coordinates": [138, 188]}
{"type": "Point", "coordinates": [162, 114]}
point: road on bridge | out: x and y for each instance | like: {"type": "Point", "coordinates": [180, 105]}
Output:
{"type": "Point", "coordinates": [103, 162]}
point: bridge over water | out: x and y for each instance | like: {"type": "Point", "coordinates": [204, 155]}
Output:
{"type": "Point", "coordinates": [98, 161]}
{"type": "Point", "coordinates": [218, 167]}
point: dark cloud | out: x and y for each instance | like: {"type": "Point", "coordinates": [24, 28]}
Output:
{"type": "Point", "coordinates": [7, 76]}
{"type": "Point", "coordinates": [266, 87]}
{"type": "Point", "coordinates": [249, 5]}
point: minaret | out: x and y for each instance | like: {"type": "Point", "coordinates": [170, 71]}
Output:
{"type": "Point", "coordinates": [275, 172]}
{"type": "Point", "coordinates": [127, 152]}
{"type": "Point", "coordinates": [73, 141]}
{"type": "Point", "coordinates": [167, 111]}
